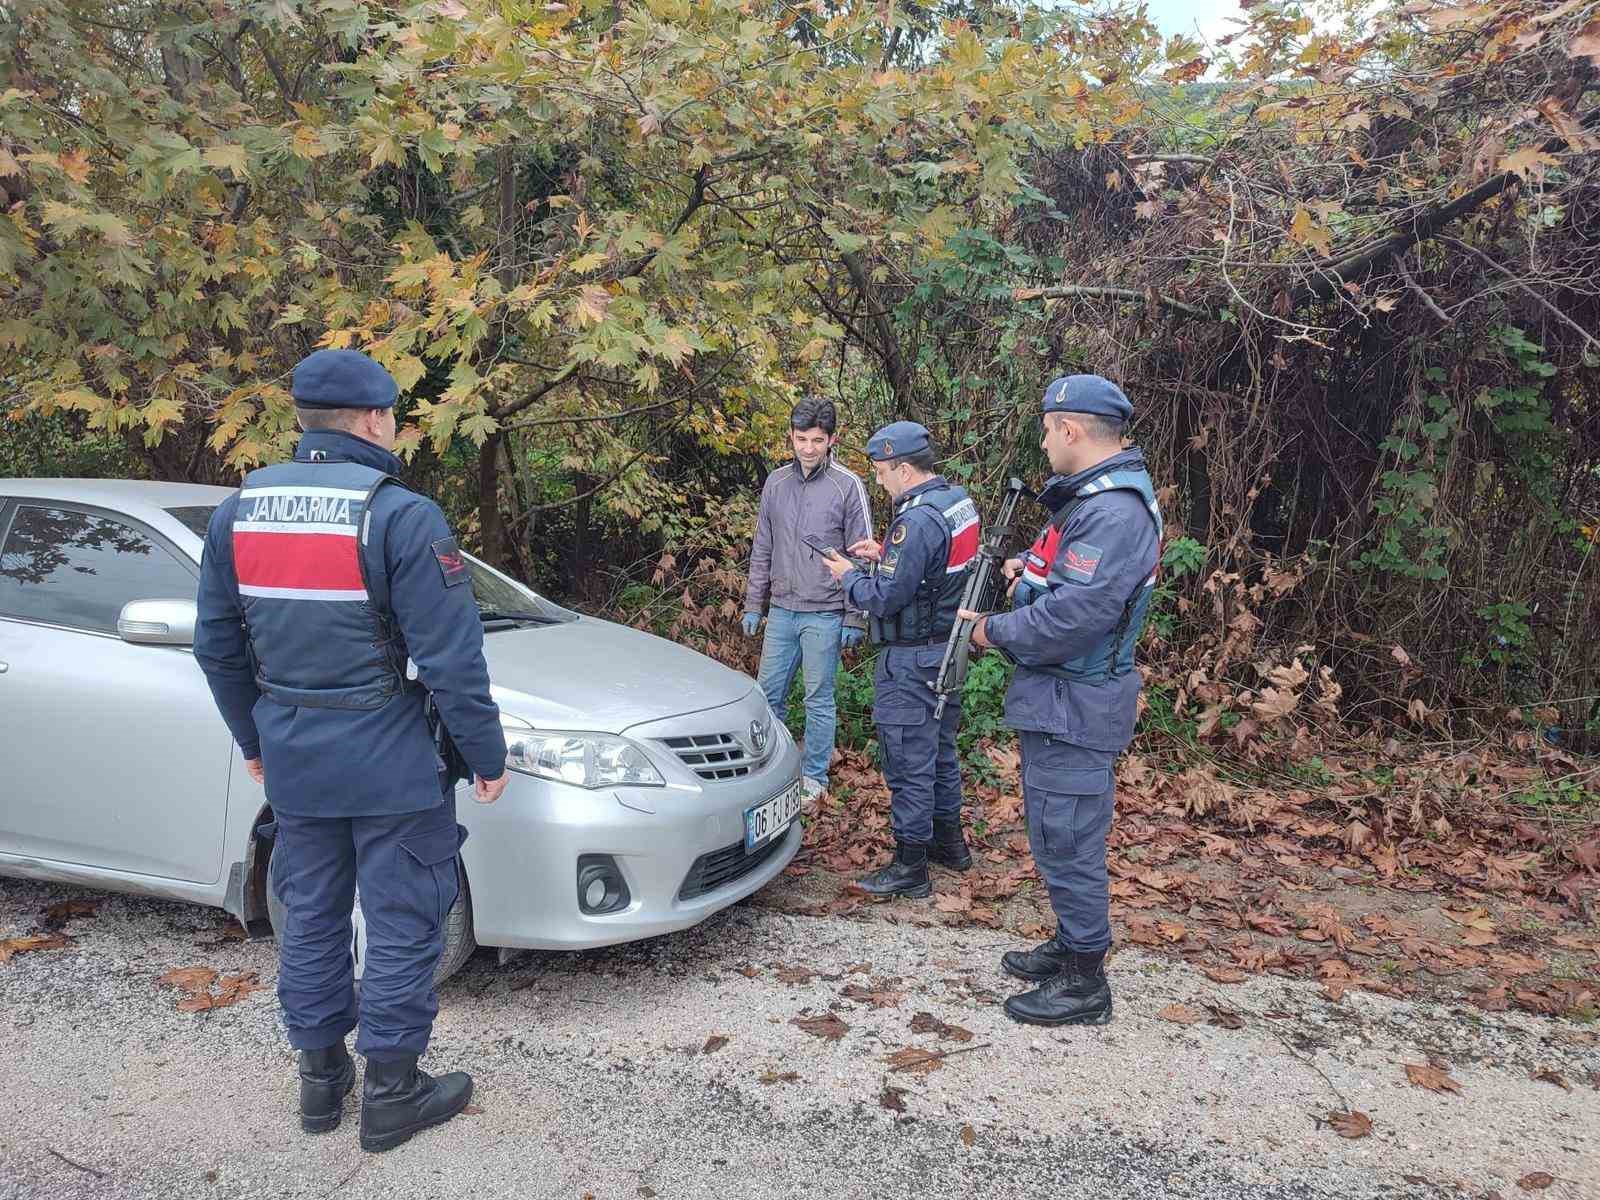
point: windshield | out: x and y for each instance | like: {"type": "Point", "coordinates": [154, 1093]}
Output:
{"type": "Point", "coordinates": [495, 593]}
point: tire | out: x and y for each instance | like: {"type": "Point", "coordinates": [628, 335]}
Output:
{"type": "Point", "coordinates": [458, 941]}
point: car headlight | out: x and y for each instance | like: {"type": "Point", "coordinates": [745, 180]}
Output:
{"type": "Point", "coordinates": [588, 760]}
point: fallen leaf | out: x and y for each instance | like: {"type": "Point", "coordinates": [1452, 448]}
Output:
{"type": "Point", "coordinates": [949, 903]}
{"type": "Point", "coordinates": [66, 910]}
{"type": "Point", "coordinates": [714, 1043]}
{"type": "Point", "coordinates": [1353, 1124]}
{"type": "Point", "coordinates": [928, 1023]}
{"type": "Point", "coordinates": [29, 944]}
{"type": "Point", "coordinates": [892, 1098]}
{"type": "Point", "coordinates": [860, 968]}
{"type": "Point", "coordinates": [969, 1136]}
{"type": "Point", "coordinates": [881, 998]}
{"type": "Point", "coordinates": [1225, 1018]}
{"type": "Point", "coordinates": [795, 975]}
{"type": "Point", "coordinates": [1549, 1076]}
{"type": "Point", "coordinates": [915, 1059]}
{"type": "Point", "coordinates": [1180, 1014]}
{"type": "Point", "coordinates": [750, 971]}
{"type": "Point", "coordinates": [828, 1026]}
{"type": "Point", "coordinates": [471, 1110]}
{"type": "Point", "coordinates": [771, 1077]}
{"type": "Point", "coordinates": [647, 1192]}
{"type": "Point", "coordinates": [1224, 974]}
{"type": "Point", "coordinates": [190, 979]}
{"type": "Point", "coordinates": [1432, 1078]}
{"type": "Point", "coordinates": [1536, 1181]}
{"type": "Point", "coordinates": [234, 988]}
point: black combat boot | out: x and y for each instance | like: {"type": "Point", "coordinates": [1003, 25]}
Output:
{"type": "Point", "coordinates": [1079, 995]}
{"type": "Point", "coordinates": [907, 875]}
{"type": "Point", "coordinates": [1044, 961]}
{"type": "Point", "coordinates": [326, 1077]}
{"type": "Point", "coordinates": [397, 1100]}
{"type": "Point", "coordinates": [949, 845]}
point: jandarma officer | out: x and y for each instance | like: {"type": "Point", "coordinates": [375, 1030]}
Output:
{"type": "Point", "coordinates": [911, 599]}
{"type": "Point", "coordinates": [1078, 604]}
{"type": "Point", "coordinates": [331, 599]}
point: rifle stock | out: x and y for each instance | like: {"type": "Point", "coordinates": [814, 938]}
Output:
{"type": "Point", "coordinates": [983, 587]}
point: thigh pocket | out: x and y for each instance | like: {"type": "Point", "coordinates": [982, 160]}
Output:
{"type": "Point", "coordinates": [1067, 770]}
{"type": "Point", "coordinates": [429, 860]}
{"type": "Point", "coordinates": [1063, 787]}
{"type": "Point", "coordinates": [899, 714]}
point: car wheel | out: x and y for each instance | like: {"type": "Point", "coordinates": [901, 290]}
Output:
{"type": "Point", "coordinates": [458, 940]}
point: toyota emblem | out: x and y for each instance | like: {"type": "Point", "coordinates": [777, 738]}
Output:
{"type": "Point", "coordinates": [758, 737]}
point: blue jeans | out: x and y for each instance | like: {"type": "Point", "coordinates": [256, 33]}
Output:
{"type": "Point", "coordinates": [808, 641]}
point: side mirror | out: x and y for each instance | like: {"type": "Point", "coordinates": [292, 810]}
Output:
{"type": "Point", "coordinates": [158, 622]}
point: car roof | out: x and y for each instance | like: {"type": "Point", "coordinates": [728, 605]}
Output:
{"type": "Point", "coordinates": [129, 495]}
{"type": "Point", "coordinates": [141, 499]}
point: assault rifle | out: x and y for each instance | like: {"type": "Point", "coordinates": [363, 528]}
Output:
{"type": "Point", "coordinates": [982, 590]}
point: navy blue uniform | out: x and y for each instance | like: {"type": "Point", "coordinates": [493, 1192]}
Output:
{"type": "Point", "coordinates": [320, 581]}
{"type": "Point", "coordinates": [1078, 609]}
{"type": "Point", "coordinates": [912, 599]}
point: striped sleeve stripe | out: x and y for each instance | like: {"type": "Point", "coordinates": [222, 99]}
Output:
{"type": "Point", "coordinates": [861, 494]}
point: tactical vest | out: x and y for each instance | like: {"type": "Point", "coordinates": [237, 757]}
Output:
{"type": "Point", "coordinates": [318, 635]}
{"type": "Point", "coordinates": [1113, 656]}
{"type": "Point", "coordinates": [932, 611]}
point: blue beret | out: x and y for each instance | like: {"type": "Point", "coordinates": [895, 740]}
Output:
{"type": "Point", "coordinates": [895, 439]}
{"type": "Point", "coordinates": [1087, 394]}
{"type": "Point", "coordinates": [342, 379]}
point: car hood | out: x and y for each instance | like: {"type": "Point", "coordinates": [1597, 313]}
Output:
{"type": "Point", "coordinates": [600, 676]}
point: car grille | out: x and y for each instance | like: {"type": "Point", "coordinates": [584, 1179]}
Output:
{"type": "Point", "coordinates": [713, 755]}
{"type": "Point", "coordinates": [720, 867]}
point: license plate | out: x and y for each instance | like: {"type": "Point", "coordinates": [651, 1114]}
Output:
{"type": "Point", "coordinates": [767, 820]}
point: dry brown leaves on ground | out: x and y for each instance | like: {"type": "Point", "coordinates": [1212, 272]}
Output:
{"type": "Point", "coordinates": [1350, 1124]}
{"type": "Point", "coordinates": [195, 984]}
{"type": "Point", "coordinates": [10, 947]}
{"type": "Point", "coordinates": [828, 1027]}
{"type": "Point", "coordinates": [1435, 1079]}
{"type": "Point", "coordinates": [1401, 869]}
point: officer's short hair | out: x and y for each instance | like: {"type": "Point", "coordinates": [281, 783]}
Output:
{"type": "Point", "coordinates": [1101, 428]}
{"type": "Point", "coordinates": [815, 413]}
{"type": "Point", "coordinates": [923, 460]}
{"type": "Point", "coordinates": [329, 418]}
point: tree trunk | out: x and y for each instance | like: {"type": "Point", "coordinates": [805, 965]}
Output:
{"type": "Point", "coordinates": [491, 528]}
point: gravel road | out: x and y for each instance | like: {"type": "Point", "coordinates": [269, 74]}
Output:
{"type": "Point", "coordinates": [595, 1077]}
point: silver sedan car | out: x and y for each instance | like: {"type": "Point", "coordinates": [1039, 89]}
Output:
{"type": "Point", "coordinates": [116, 771]}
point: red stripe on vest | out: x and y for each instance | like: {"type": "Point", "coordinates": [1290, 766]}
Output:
{"type": "Point", "coordinates": [313, 561]}
{"type": "Point", "coordinates": [963, 547]}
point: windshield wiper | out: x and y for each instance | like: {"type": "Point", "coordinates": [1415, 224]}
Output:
{"type": "Point", "coordinates": [487, 615]}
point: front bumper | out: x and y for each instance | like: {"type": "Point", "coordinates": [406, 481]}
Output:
{"type": "Point", "coordinates": [522, 852]}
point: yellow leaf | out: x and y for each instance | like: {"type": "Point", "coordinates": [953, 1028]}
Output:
{"type": "Point", "coordinates": [1528, 162]}
{"type": "Point", "coordinates": [966, 51]}
{"type": "Point", "coordinates": [593, 301]}
{"type": "Point", "coordinates": [228, 155]}
{"type": "Point", "coordinates": [407, 371]}
{"type": "Point", "coordinates": [1305, 230]}
{"type": "Point", "coordinates": [10, 168]}
{"type": "Point", "coordinates": [308, 143]}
